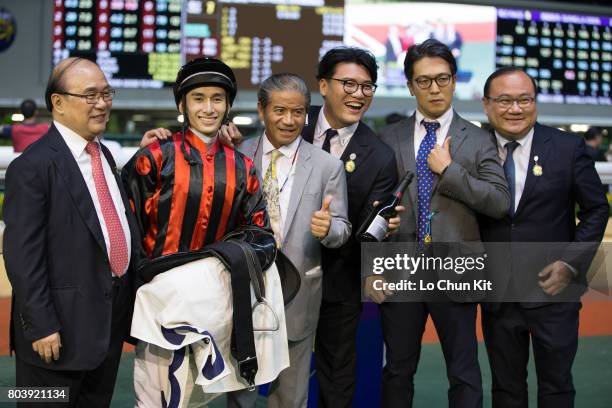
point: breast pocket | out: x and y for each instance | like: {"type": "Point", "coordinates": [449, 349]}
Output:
{"type": "Point", "coordinates": [314, 197]}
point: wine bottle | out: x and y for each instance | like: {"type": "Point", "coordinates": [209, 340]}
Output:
{"type": "Point", "coordinates": [376, 226]}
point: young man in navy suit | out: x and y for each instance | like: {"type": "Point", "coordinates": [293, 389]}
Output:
{"type": "Point", "coordinates": [347, 82]}
{"type": "Point", "coordinates": [70, 245]}
{"type": "Point", "coordinates": [549, 172]}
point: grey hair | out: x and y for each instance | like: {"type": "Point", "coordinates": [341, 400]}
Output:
{"type": "Point", "coordinates": [282, 82]}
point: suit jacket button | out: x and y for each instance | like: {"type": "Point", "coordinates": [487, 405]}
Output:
{"type": "Point", "coordinates": [107, 295]}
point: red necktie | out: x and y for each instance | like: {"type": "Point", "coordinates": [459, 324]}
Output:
{"type": "Point", "coordinates": [118, 255]}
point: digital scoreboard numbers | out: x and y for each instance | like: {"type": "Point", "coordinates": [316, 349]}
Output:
{"type": "Point", "coordinates": [137, 43]}
{"type": "Point", "coordinates": [260, 38]}
{"type": "Point", "coordinates": [569, 55]}
{"type": "Point", "coordinates": [142, 43]}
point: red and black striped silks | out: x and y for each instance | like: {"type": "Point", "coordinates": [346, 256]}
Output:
{"type": "Point", "coordinates": [182, 207]}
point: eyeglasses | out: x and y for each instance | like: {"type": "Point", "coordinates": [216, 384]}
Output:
{"type": "Point", "coordinates": [350, 87]}
{"type": "Point", "coordinates": [505, 102]}
{"type": "Point", "coordinates": [442, 80]}
{"type": "Point", "coordinates": [93, 97]}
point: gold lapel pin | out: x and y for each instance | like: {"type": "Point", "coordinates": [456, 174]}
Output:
{"type": "Point", "coordinates": [349, 166]}
{"type": "Point", "coordinates": [537, 169]}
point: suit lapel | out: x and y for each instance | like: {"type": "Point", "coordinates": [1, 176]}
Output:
{"type": "Point", "coordinates": [303, 168]}
{"type": "Point", "coordinates": [538, 148]}
{"type": "Point", "coordinates": [357, 150]}
{"type": "Point", "coordinates": [131, 219]}
{"type": "Point", "coordinates": [405, 141]}
{"type": "Point", "coordinates": [257, 156]}
{"type": "Point", "coordinates": [457, 131]}
{"type": "Point", "coordinates": [69, 170]}
{"type": "Point", "coordinates": [309, 127]}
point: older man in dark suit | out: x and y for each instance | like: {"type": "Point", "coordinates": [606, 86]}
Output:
{"type": "Point", "coordinates": [549, 172]}
{"type": "Point", "coordinates": [69, 245]}
{"type": "Point", "coordinates": [457, 176]}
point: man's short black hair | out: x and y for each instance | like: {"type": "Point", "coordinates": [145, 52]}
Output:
{"type": "Point", "coordinates": [28, 108]}
{"type": "Point", "coordinates": [431, 48]}
{"type": "Point", "coordinates": [335, 56]}
{"type": "Point", "coordinates": [505, 71]}
{"type": "Point", "coordinates": [593, 132]}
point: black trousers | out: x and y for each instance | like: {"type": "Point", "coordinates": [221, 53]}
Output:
{"type": "Point", "coordinates": [403, 326]}
{"type": "Point", "coordinates": [335, 352]}
{"type": "Point", "coordinates": [553, 331]}
{"type": "Point", "coordinates": [91, 388]}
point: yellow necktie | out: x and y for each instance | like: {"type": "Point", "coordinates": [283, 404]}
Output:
{"type": "Point", "coordinates": [270, 188]}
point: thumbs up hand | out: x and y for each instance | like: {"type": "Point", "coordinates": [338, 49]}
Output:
{"type": "Point", "coordinates": [439, 157]}
{"type": "Point", "coordinates": [321, 220]}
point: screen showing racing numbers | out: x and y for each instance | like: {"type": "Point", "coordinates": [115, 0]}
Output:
{"type": "Point", "coordinates": [142, 43]}
{"type": "Point", "coordinates": [264, 37]}
{"type": "Point", "coordinates": [138, 42]}
{"type": "Point", "coordinates": [569, 55]}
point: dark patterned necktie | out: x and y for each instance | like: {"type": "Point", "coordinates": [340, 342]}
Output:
{"type": "Point", "coordinates": [510, 173]}
{"type": "Point", "coordinates": [425, 177]}
{"type": "Point", "coordinates": [329, 133]}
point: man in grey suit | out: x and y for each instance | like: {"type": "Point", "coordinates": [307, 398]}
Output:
{"type": "Point", "coordinates": [457, 176]}
{"type": "Point", "coordinates": [305, 189]}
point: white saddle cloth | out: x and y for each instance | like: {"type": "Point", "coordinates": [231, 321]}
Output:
{"type": "Point", "coordinates": [191, 305]}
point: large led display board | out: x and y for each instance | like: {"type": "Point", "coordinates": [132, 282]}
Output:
{"type": "Point", "coordinates": [141, 43]}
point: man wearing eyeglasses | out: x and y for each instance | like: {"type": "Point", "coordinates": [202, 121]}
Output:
{"type": "Point", "coordinates": [70, 245]}
{"type": "Point", "coordinates": [549, 172]}
{"type": "Point", "coordinates": [347, 82]}
{"type": "Point", "coordinates": [457, 175]}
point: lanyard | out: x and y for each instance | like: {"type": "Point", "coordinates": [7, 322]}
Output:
{"type": "Point", "coordinates": [292, 161]}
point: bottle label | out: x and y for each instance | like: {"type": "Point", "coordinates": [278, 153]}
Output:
{"type": "Point", "coordinates": [378, 228]}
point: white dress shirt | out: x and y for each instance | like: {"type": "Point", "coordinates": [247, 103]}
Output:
{"type": "Point", "coordinates": [521, 161]}
{"type": "Point", "coordinates": [285, 172]}
{"type": "Point", "coordinates": [77, 144]}
{"type": "Point", "coordinates": [338, 143]}
{"type": "Point", "coordinates": [420, 132]}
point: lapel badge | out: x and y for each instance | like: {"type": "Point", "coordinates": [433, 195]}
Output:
{"type": "Point", "coordinates": [537, 169]}
{"type": "Point", "coordinates": [349, 166]}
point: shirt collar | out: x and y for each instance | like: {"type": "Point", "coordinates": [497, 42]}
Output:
{"type": "Point", "coordinates": [206, 139]}
{"type": "Point", "coordinates": [501, 141]}
{"type": "Point", "coordinates": [286, 150]}
{"type": "Point", "coordinates": [443, 120]}
{"type": "Point", "coordinates": [75, 142]}
{"type": "Point", "coordinates": [344, 133]}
